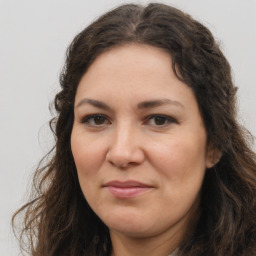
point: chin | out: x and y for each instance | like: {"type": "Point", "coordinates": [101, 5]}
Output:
{"type": "Point", "coordinates": [131, 226]}
{"type": "Point", "coordinates": [128, 224]}
{"type": "Point", "coordinates": [131, 231]}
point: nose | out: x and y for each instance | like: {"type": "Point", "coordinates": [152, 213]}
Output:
{"type": "Point", "coordinates": [125, 148]}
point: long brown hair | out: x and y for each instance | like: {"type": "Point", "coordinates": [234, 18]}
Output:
{"type": "Point", "coordinates": [59, 221]}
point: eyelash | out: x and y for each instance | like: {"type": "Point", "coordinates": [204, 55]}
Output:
{"type": "Point", "coordinates": [167, 120]}
{"type": "Point", "coordinates": [91, 117]}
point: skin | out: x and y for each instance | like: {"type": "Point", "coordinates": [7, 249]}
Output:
{"type": "Point", "coordinates": [149, 130]}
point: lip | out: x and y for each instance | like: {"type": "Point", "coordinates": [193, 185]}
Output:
{"type": "Point", "coordinates": [127, 189]}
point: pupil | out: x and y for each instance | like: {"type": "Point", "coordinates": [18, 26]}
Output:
{"type": "Point", "coordinates": [159, 120]}
{"type": "Point", "coordinates": [99, 120]}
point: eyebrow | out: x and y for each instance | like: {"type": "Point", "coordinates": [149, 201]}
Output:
{"type": "Point", "coordinates": [141, 105]}
{"type": "Point", "coordinates": [157, 103]}
{"type": "Point", "coordinates": [95, 103]}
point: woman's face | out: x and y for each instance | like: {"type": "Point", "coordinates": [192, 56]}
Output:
{"type": "Point", "coordinates": [139, 143]}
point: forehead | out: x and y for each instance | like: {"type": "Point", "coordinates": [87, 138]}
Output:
{"type": "Point", "coordinates": [135, 71]}
{"type": "Point", "coordinates": [130, 58]}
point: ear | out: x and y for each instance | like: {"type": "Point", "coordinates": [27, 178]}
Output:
{"type": "Point", "coordinates": [213, 156]}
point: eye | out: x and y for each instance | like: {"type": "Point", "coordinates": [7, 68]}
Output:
{"type": "Point", "coordinates": [160, 120]}
{"type": "Point", "coordinates": [95, 120]}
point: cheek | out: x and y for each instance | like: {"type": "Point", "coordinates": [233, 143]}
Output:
{"type": "Point", "coordinates": [181, 163]}
{"type": "Point", "coordinates": [182, 169]}
{"type": "Point", "coordinates": [88, 153]}
{"type": "Point", "coordinates": [179, 154]}
{"type": "Point", "coordinates": [89, 156]}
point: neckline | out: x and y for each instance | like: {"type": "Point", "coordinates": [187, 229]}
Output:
{"type": "Point", "coordinates": [173, 253]}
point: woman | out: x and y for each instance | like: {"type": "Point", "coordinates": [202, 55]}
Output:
{"type": "Point", "coordinates": [149, 157]}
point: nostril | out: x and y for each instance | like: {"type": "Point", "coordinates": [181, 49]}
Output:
{"type": "Point", "coordinates": [118, 160]}
{"type": "Point", "coordinates": [122, 159]}
{"type": "Point", "coordinates": [124, 151]}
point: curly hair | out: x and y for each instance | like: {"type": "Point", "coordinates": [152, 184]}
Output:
{"type": "Point", "coordinates": [59, 221]}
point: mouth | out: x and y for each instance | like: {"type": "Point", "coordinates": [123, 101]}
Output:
{"type": "Point", "coordinates": [127, 189]}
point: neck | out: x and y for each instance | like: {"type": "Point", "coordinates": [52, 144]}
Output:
{"type": "Point", "coordinates": [151, 246]}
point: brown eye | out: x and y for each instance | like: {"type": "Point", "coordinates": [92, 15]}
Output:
{"type": "Point", "coordinates": [160, 120]}
{"type": "Point", "coordinates": [95, 120]}
{"type": "Point", "coordinates": [98, 120]}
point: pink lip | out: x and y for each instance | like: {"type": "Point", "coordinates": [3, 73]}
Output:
{"type": "Point", "coordinates": [126, 189]}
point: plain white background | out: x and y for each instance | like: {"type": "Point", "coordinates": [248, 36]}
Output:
{"type": "Point", "coordinates": [33, 38]}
